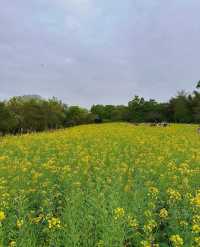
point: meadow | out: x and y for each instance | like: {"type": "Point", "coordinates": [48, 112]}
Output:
{"type": "Point", "coordinates": [107, 185]}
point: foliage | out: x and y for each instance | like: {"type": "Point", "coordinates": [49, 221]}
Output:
{"type": "Point", "coordinates": [7, 120]}
{"type": "Point", "coordinates": [32, 113]}
{"type": "Point", "coordinates": [29, 114]}
{"type": "Point", "coordinates": [198, 84]}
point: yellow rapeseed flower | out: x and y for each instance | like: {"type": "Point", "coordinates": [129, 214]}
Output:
{"type": "Point", "coordinates": [163, 213]}
{"type": "Point", "coordinates": [54, 223]}
{"type": "Point", "coordinates": [183, 223]}
{"type": "Point", "coordinates": [2, 216]}
{"type": "Point", "coordinates": [150, 226]}
{"type": "Point", "coordinates": [153, 191]}
{"type": "Point", "coordinates": [196, 200]}
{"type": "Point", "coordinates": [37, 219]}
{"type": "Point", "coordinates": [119, 213]}
{"type": "Point", "coordinates": [19, 223]}
{"type": "Point", "coordinates": [196, 228]}
{"type": "Point", "coordinates": [196, 219]}
{"type": "Point", "coordinates": [197, 241]}
{"type": "Point", "coordinates": [12, 243]}
{"type": "Point", "coordinates": [176, 240]}
{"type": "Point", "coordinates": [132, 222]}
{"type": "Point", "coordinates": [173, 195]}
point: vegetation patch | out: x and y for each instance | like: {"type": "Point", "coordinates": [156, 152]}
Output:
{"type": "Point", "coordinates": [101, 185]}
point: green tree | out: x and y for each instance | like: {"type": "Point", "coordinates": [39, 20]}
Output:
{"type": "Point", "coordinates": [136, 109]}
{"type": "Point", "coordinates": [37, 114]}
{"type": "Point", "coordinates": [119, 113]}
{"type": "Point", "coordinates": [55, 112]}
{"type": "Point", "coordinates": [98, 110]}
{"type": "Point", "coordinates": [7, 120]}
{"type": "Point", "coordinates": [181, 108]}
{"type": "Point", "coordinates": [77, 115]}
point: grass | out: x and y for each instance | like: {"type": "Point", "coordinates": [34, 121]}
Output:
{"type": "Point", "coordinates": [111, 185]}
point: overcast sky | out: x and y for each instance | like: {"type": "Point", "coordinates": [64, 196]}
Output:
{"type": "Point", "coordinates": [99, 51]}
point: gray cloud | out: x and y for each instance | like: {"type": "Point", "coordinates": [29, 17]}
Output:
{"type": "Point", "coordinates": [86, 51]}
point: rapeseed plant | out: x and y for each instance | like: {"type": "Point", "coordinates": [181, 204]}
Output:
{"type": "Point", "coordinates": [101, 185]}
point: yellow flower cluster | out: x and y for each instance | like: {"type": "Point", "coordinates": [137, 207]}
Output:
{"type": "Point", "coordinates": [183, 223]}
{"type": "Point", "coordinates": [196, 228]}
{"type": "Point", "coordinates": [196, 200]}
{"type": "Point", "coordinates": [19, 223]}
{"type": "Point", "coordinates": [163, 213]}
{"type": "Point", "coordinates": [150, 226]}
{"type": "Point", "coordinates": [38, 219]}
{"type": "Point", "coordinates": [12, 243]}
{"type": "Point", "coordinates": [54, 223]}
{"type": "Point", "coordinates": [197, 241]}
{"type": "Point", "coordinates": [196, 219]}
{"type": "Point", "coordinates": [153, 191]}
{"type": "Point", "coordinates": [173, 195]}
{"type": "Point", "coordinates": [2, 216]}
{"type": "Point", "coordinates": [132, 222]}
{"type": "Point", "coordinates": [119, 213]}
{"type": "Point", "coordinates": [176, 240]}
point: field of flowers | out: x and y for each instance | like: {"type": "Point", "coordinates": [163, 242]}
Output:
{"type": "Point", "coordinates": [109, 185]}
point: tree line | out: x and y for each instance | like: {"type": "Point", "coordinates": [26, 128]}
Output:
{"type": "Point", "coordinates": [32, 113]}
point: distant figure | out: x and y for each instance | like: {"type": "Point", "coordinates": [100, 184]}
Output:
{"type": "Point", "coordinates": [198, 130]}
{"type": "Point", "coordinates": [98, 120]}
{"type": "Point", "coordinates": [164, 124]}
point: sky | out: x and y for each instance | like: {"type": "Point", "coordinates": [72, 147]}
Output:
{"type": "Point", "coordinates": [99, 51]}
